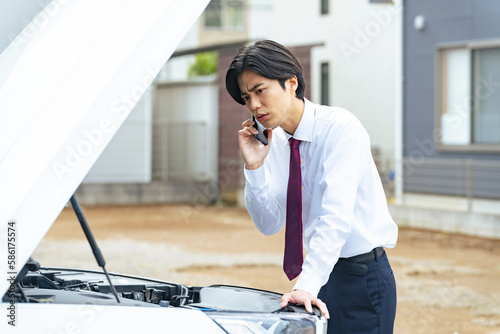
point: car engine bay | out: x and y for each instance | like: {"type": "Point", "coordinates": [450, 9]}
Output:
{"type": "Point", "coordinates": [77, 286]}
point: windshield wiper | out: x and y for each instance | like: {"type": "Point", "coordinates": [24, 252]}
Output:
{"type": "Point", "coordinates": [93, 244]}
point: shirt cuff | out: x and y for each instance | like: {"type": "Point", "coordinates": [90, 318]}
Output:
{"type": "Point", "coordinates": [308, 282]}
{"type": "Point", "coordinates": [255, 178]}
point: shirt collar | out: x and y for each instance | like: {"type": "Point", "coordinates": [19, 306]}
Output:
{"type": "Point", "coordinates": [304, 131]}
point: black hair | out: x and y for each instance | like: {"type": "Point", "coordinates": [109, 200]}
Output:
{"type": "Point", "coordinates": [268, 59]}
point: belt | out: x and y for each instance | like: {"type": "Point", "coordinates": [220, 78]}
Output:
{"type": "Point", "coordinates": [367, 257]}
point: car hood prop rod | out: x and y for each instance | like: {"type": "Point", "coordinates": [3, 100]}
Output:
{"type": "Point", "coordinates": [93, 244]}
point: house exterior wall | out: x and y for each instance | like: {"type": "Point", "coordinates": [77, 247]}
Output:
{"type": "Point", "coordinates": [185, 142]}
{"type": "Point", "coordinates": [231, 115]}
{"type": "Point", "coordinates": [362, 46]}
{"type": "Point", "coordinates": [127, 158]}
{"type": "Point", "coordinates": [182, 151]}
{"type": "Point", "coordinates": [427, 168]}
{"type": "Point", "coordinates": [357, 39]}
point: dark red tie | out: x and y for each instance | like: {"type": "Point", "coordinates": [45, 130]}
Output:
{"type": "Point", "coordinates": [292, 261]}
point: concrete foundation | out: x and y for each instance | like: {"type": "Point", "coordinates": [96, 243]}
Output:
{"type": "Point", "coordinates": [476, 217]}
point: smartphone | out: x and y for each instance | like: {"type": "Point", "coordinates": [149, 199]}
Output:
{"type": "Point", "coordinates": [262, 135]}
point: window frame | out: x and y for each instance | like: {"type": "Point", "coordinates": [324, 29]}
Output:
{"type": "Point", "coordinates": [224, 26]}
{"type": "Point", "coordinates": [324, 7]}
{"type": "Point", "coordinates": [325, 83]}
{"type": "Point", "coordinates": [470, 46]}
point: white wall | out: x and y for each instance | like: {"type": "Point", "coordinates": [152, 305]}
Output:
{"type": "Point", "coordinates": [189, 113]}
{"type": "Point", "coordinates": [176, 69]}
{"type": "Point", "coordinates": [363, 49]}
{"type": "Point", "coordinates": [127, 158]}
{"type": "Point", "coordinates": [261, 18]}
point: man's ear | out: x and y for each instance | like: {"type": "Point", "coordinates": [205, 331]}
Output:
{"type": "Point", "coordinates": [294, 83]}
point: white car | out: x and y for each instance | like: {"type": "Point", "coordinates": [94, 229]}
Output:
{"type": "Point", "coordinates": [60, 79]}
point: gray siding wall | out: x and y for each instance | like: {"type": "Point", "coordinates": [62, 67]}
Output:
{"type": "Point", "coordinates": [446, 21]}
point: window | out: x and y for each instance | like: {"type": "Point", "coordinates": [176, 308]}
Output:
{"type": "Point", "coordinates": [325, 88]}
{"type": "Point", "coordinates": [324, 7]}
{"type": "Point", "coordinates": [486, 107]}
{"type": "Point", "coordinates": [468, 97]}
{"type": "Point", "coordinates": [225, 14]}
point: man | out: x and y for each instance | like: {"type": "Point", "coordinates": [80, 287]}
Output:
{"type": "Point", "coordinates": [341, 213]}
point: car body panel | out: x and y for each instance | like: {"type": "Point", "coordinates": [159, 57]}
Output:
{"type": "Point", "coordinates": [65, 318]}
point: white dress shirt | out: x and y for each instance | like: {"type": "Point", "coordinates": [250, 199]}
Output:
{"type": "Point", "coordinates": [344, 209]}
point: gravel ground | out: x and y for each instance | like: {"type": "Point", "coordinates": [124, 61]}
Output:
{"type": "Point", "coordinates": [151, 259]}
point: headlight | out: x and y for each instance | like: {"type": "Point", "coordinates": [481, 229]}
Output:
{"type": "Point", "coordinates": [265, 323]}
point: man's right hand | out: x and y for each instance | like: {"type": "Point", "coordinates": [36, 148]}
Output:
{"type": "Point", "coordinates": [253, 151]}
{"type": "Point", "coordinates": [304, 298]}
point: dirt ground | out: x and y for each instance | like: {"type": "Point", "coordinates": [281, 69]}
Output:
{"type": "Point", "coordinates": [447, 283]}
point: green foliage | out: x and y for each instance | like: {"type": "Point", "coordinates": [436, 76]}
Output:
{"type": "Point", "coordinates": [205, 63]}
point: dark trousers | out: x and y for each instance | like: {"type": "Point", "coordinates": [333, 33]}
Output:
{"type": "Point", "coordinates": [361, 299]}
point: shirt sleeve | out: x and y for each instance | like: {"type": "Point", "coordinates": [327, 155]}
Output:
{"type": "Point", "coordinates": [261, 203]}
{"type": "Point", "coordinates": [345, 157]}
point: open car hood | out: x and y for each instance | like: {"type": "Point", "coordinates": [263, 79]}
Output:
{"type": "Point", "coordinates": [67, 83]}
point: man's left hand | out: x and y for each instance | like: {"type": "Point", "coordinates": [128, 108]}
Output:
{"type": "Point", "coordinates": [304, 298]}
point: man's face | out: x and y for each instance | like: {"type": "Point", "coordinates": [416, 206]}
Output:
{"type": "Point", "coordinates": [265, 98]}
